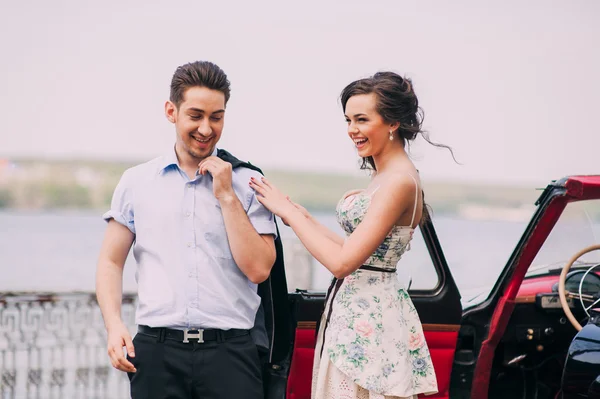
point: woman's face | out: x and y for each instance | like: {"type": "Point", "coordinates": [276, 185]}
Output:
{"type": "Point", "coordinates": [367, 129]}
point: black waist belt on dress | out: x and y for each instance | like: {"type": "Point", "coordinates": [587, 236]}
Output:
{"type": "Point", "coordinates": [334, 287]}
{"type": "Point", "coordinates": [185, 335]}
{"type": "Point", "coordinates": [377, 269]}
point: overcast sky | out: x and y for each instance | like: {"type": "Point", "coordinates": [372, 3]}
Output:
{"type": "Point", "coordinates": [512, 87]}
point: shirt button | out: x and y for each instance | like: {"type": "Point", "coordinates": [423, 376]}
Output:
{"type": "Point", "coordinates": [190, 245]}
{"type": "Point", "coordinates": [188, 213]}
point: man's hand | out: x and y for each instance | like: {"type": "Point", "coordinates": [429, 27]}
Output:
{"type": "Point", "coordinates": [118, 337]}
{"type": "Point", "coordinates": [221, 174]}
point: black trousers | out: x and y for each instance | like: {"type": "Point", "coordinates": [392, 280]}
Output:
{"type": "Point", "coordinates": [170, 369]}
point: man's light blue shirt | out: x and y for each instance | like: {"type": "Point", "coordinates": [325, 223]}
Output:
{"type": "Point", "coordinates": [186, 274]}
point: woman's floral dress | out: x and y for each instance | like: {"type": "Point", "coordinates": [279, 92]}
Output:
{"type": "Point", "coordinates": [373, 345]}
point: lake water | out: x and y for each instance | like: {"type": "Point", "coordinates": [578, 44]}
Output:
{"type": "Point", "coordinates": [57, 251]}
{"type": "Point", "coordinates": [59, 351]}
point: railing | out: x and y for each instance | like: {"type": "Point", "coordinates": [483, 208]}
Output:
{"type": "Point", "coordinates": [54, 345]}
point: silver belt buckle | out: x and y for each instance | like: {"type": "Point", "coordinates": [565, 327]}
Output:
{"type": "Point", "coordinates": [187, 335]}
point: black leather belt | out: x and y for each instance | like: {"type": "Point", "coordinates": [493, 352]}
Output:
{"type": "Point", "coordinates": [188, 334]}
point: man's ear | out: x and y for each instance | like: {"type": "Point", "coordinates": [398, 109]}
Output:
{"type": "Point", "coordinates": [171, 112]}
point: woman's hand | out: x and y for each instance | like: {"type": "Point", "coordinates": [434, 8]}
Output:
{"type": "Point", "coordinates": [272, 198]}
{"type": "Point", "coordinates": [300, 208]}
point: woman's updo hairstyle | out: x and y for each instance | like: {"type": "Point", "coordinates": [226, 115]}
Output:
{"type": "Point", "coordinates": [396, 102]}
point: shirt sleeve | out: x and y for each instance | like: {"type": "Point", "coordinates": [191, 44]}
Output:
{"type": "Point", "coordinates": [121, 207]}
{"type": "Point", "coordinates": [261, 218]}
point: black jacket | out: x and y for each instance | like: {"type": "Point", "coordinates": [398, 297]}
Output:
{"type": "Point", "coordinates": [272, 328]}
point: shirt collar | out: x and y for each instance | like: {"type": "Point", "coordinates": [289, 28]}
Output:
{"type": "Point", "coordinates": [170, 158]}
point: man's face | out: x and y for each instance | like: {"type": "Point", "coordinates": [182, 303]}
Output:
{"type": "Point", "coordinates": [198, 120]}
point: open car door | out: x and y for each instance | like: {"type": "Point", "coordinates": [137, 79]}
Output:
{"type": "Point", "coordinates": [524, 320]}
{"type": "Point", "coordinates": [436, 300]}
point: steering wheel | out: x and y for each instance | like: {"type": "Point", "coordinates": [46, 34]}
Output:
{"type": "Point", "coordinates": [562, 294]}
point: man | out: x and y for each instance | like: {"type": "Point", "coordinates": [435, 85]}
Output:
{"type": "Point", "coordinates": [202, 243]}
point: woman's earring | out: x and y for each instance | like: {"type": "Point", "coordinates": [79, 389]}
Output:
{"type": "Point", "coordinates": [391, 135]}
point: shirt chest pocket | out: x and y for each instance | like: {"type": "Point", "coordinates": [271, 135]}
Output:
{"type": "Point", "coordinates": [212, 236]}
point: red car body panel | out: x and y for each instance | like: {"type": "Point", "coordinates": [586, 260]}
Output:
{"type": "Point", "coordinates": [578, 188]}
{"type": "Point", "coordinates": [533, 286]}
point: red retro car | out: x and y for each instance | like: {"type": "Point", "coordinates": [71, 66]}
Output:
{"type": "Point", "coordinates": [521, 338]}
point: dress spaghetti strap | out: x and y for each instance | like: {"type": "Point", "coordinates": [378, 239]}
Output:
{"type": "Point", "coordinates": [416, 200]}
{"type": "Point", "coordinates": [371, 194]}
{"type": "Point", "coordinates": [412, 221]}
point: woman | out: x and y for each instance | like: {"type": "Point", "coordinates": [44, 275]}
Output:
{"type": "Point", "coordinates": [370, 341]}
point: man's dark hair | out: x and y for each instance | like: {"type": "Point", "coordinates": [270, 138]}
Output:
{"type": "Point", "coordinates": [198, 74]}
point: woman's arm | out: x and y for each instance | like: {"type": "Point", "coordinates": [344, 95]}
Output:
{"type": "Point", "coordinates": [343, 258]}
{"type": "Point", "coordinates": [324, 230]}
